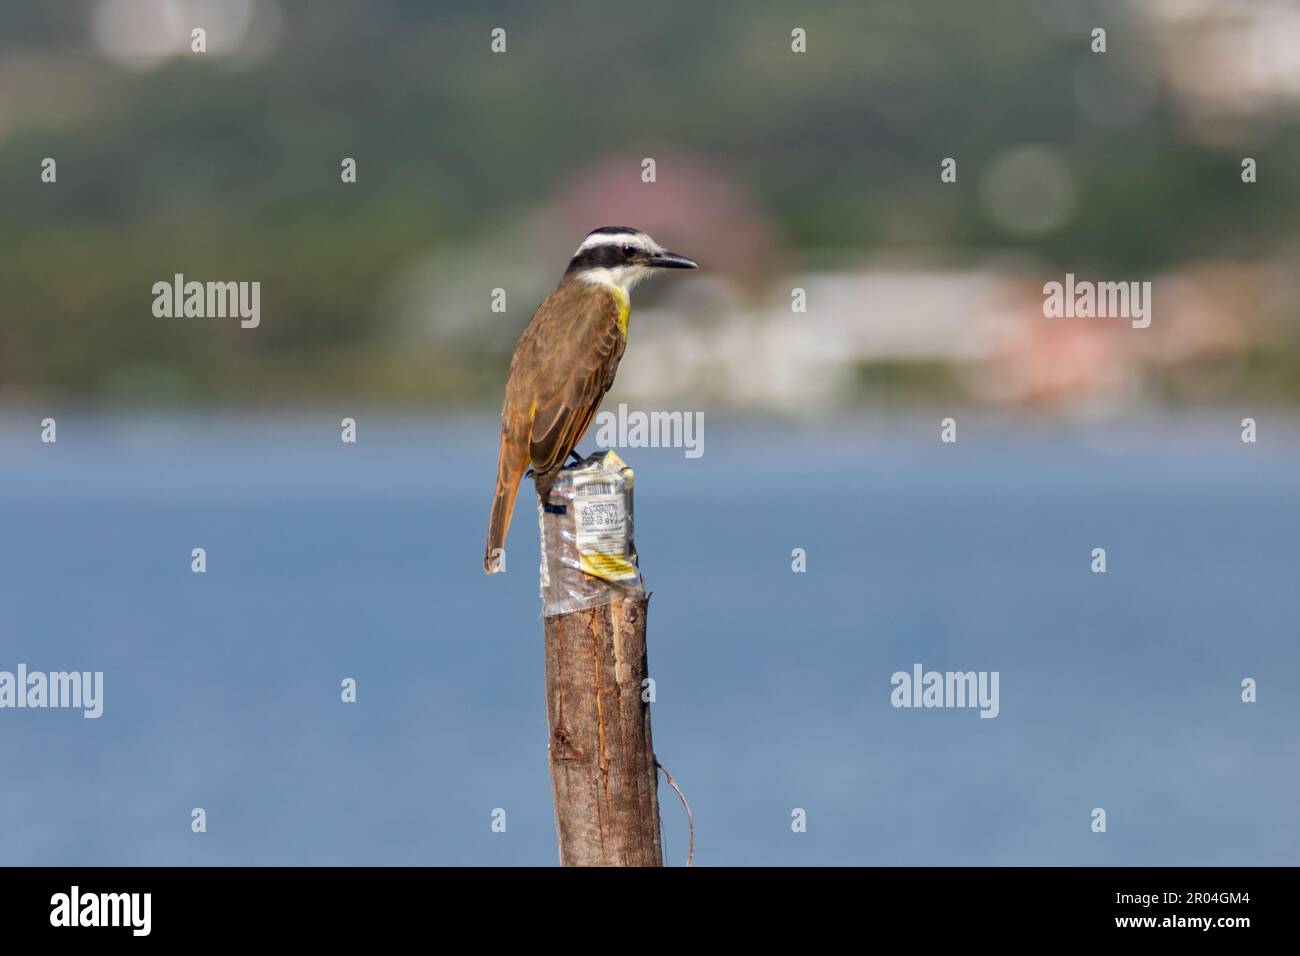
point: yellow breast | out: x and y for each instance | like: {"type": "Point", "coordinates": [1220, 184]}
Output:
{"type": "Point", "coordinates": [624, 307]}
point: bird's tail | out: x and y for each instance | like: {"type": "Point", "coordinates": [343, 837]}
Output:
{"type": "Point", "coordinates": [503, 506]}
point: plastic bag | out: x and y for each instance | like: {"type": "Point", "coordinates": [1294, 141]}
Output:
{"type": "Point", "coordinates": [588, 554]}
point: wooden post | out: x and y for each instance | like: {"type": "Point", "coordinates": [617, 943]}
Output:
{"type": "Point", "coordinates": [602, 757]}
{"type": "Point", "coordinates": [603, 771]}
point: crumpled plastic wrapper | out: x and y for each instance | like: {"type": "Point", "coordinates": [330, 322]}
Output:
{"type": "Point", "coordinates": [588, 554]}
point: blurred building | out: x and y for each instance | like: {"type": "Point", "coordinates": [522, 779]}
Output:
{"type": "Point", "coordinates": [983, 328]}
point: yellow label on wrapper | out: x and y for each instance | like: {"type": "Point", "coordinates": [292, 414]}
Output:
{"type": "Point", "coordinates": [607, 567]}
{"type": "Point", "coordinates": [600, 524]}
{"type": "Point", "coordinates": [600, 528]}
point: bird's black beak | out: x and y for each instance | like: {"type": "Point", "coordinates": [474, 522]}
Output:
{"type": "Point", "coordinates": [671, 260]}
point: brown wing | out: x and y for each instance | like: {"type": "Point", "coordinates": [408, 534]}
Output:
{"type": "Point", "coordinates": [577, 347]}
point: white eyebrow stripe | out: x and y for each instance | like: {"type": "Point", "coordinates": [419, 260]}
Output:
{"type": "Point", "coordinates": [640, 240]}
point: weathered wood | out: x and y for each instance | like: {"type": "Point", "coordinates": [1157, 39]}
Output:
{"type": "Point", "coordinates": [603, 770]}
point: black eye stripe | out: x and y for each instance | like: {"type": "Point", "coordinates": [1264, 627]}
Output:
{"type": "Point", "coordinates": [598, 257]}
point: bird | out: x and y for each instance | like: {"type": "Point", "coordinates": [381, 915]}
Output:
{"type": "Point", "coordinates": [565, 362]}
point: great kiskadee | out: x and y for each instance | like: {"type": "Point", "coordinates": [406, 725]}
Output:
{"type": "Point", "coordinates": [565, 362]}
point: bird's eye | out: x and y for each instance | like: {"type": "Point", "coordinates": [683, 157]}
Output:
{"type": "Point", "coordinates": [627, 252]}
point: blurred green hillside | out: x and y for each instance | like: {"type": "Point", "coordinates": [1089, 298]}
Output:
{"type": "Point", "coordinates": [225, 165]}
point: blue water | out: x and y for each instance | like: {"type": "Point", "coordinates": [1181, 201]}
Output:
{"type": "Point", "coordinates": [1117, 690]}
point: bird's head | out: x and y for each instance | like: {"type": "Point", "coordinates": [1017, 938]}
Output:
{"type": "Point", "coordinates": [618, 255]}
